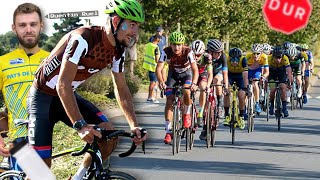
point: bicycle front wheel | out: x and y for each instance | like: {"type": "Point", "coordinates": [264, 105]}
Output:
{"type": "Point", "coordinates": [120, 176]}
{"type": "Point", "coordinates": [208, 124]}
{"type": "Point", "coordinates": [12, 174]}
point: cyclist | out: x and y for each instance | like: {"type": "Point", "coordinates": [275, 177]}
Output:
{"type": "Point", "coordinates": [220, 74]}
{"type": "Point", "coordinates": [80, 54]}
{"type": "Point", "coordinates": [205, 74]}
{"type": "Point", "coordinates": [308, 71]}
{"type": "Point", "coordinates": [257, 68]}
{"type": "Point", "coordinates": [297, 62]}
{"type": "Point", "coordinates": [236, 65]}
{"type": "Point", "coordinates": [280, 70]}
{"type": "Point", "coordinates": [17, 71]}
{"type": "Point", "coordinates": [183, 68]}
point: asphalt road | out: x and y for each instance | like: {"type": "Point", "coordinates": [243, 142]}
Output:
{"type": "Point", "coordinates": [292, 153]}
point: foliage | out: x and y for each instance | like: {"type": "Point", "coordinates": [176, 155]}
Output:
{"type": "Point", "coordinates": [99, 100]}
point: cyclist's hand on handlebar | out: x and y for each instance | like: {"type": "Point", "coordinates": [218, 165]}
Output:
{"type": "Point", "coordinates": [162, 86]}
{"type": "Point", "coordinates": [138, 139]}
{"type": "Point", "coordinates": [208, 89]}
{"type": "Point", "coordinates": [87, 133]}
{"type": "Point", "coordinates": [193, 87]}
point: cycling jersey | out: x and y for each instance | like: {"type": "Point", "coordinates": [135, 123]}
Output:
{"type": "Point", "coordinates": [253, 65]}
{"type": "Point", "coordinates": [204, 65]}
{"type": "Point", "coordinates": [284, 63]}
{"type": "Point", "coordinates": [220, 64]}
{"type": "Point", "coordinates": [89, 48]}
{"type": "Point", "coordinates": [239, 68]}
{"type": "Point", "coordinates": [310, 56]}
{"type": "Point", "coordinates": [177, 63]}
{"type": "Point", "coordinates": [17, 74]}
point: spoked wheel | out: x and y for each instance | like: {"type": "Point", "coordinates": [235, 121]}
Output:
{"type": "Point", "coordinates": [12, 174]}
{"type": "Point", "coordinates": [213, 128]}
{"type": "Point", "coordinates": [208, 124]}
{"type": "Point", "coordinates": [250, 115]}
{"type": "Point", "coordinates": [187, 136]}
{"type": "Point", "coordinates": [278, 109]}
{"type": "Point", "coordinates": [116, 175]}
{"type": "Point", "coordinates": [193, 127]}
{"type": "Point", "coordinates": [179, 135]}
{"type": "Point", "coordinates": [292, 101]}
{"type": "Point", "coordinates": [174, 129]}
{"type": "Point", "coordinates": [267, 103]}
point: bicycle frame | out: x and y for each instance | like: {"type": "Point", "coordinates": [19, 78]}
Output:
{"type": "Point", "coordinates": [234, 111]}
{"type": "Point", "coordinates": [250, 106]}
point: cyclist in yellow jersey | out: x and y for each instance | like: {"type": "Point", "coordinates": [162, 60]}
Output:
{"type": "Point", "coordinates": [257, 68]}
{"type": "Point", "coordinates": [308, 70]}
{"type": "Point", "coordinates": [280, 70]}
{"type": "Point", "coordinates": [18, 68]}
{"type": "Point", "coordinates": [236, 65]}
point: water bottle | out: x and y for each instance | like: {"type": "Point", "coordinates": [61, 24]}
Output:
{"type": "Point", "coordinates": [30, 162]}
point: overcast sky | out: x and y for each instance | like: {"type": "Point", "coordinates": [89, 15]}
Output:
{"type": "Point", "coordinates": [53, 6]}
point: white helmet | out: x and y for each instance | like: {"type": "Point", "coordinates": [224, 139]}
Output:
{"type": "Point", "coordinates": [198, 47]}
{"type": "Point", "coordinates": [257, 48]}
{"type": "Point", "coordinates": [266, 48]}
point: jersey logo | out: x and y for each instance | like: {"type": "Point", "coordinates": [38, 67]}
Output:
{"type": "Point", "coordinates": [92, 70]}
{"type": "Point", "coordinates": [17, 61]}
{"type": "Point", "coordinates": [51, 66]}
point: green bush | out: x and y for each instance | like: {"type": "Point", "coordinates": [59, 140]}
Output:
{"type": "Point", "coordinates": [132, 82]}
{"type": "Point", "coordinates": [98, 83]}
{"type": "Point", "coordinates": [100, 100]}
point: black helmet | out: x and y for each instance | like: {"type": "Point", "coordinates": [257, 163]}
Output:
{"type": "Point", "coordinates": [287, 45]}
{"type": "Point", "coordinates": [235, 52]}
{"type": "Point", "coordinates": [214, 45]}
{"type": "Point", "coordinates": [277, 51]}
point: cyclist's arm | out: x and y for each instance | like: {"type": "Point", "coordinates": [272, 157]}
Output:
{"type": "Point", "coordinates": [266, 67]}
{"type": "Point", "coordinates": [210, 75]}
{"type": "Point", "coordinates": [289, 74]}
{"type": "Point", "coordinates": [157, 54]}
{"type": "Point", "coordinates": [245, 77]}
{"type": "Point", "coordinates": [160, 66]}
{"type": "Point", "coordinates": [225, 70]}
{"type": "Point", "coordinates": [194, 67]}
{"type": "Point", "coordinates": [124, 98]}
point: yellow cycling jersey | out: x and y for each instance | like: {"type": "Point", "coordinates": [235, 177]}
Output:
{"type": "Point", "coordinates": [253, 65]}
{"type": "Point", "coordinates": [16, 77]}
{"type": "Point", "coordinates": [239, 68]}
{"type": "Point", "coordinates": [284, 63]}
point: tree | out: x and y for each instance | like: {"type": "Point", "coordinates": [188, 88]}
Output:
{"type": "Point", "coordinates": [67, 25]}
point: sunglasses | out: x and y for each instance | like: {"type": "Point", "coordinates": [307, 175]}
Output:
{"type": "Point", "coordinates": [198, 55]}
{"type": "Point", "coordinates": [256, 53]}
{"type": "Point", "coordinates": [218, 52]}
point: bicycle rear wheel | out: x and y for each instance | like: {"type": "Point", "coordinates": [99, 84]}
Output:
{"type": "Point", "coordinates": [250, 114]}
{"type": "Point", "coordinates": [174, 128]}
{"type": "Point", "coordinates": [213, 124]}
{"type": "Point", "coordinates": [12, 174]}
{"type": "Point", "coordinates": [120, 176]}
{"type": "Point", "coordinates": [267, 102]}
{"type": "Point", "coordinates": [278, 108]}
{"type": "Point", "coordinates": [193, 126]}
{"type": "Point", "coordinates": [179, 130]}
{"type": "Point", "coordinates": [233, 122]}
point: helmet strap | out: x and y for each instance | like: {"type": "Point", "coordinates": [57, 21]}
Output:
{"type": "Point", "coordinates": [115, 34]}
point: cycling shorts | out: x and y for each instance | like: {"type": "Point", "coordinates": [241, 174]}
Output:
{"type": "Point", "coordinates": [237, 78]}
{"type": "Point", "coordinates": [255, 74]}
{"type": "Point", "coordinates": [174, 78]}
{"type": "Point", "coordinates": [202, 77]}
{"type": "Point", "coordinates": [279, 74]}
{"type": "Point", "coordinates": [296, 69]}
{"type": "Point", "coordinates": [307, 73]}
{"type": "Point", "coordinates": [46, 110]}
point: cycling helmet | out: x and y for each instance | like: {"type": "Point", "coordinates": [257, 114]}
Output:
{"type": "Point", "coordinates": [126, 9]}
{"type": "Point", "coordinates": [214, 45]}
{"type": "Point", "coordinates": [292, 52]}
{"type": "Point", "coordinates": [277, 51]}
{"type": "Point", "coordinates": [198, 47]}
{"type": "Point", "coordinates": [304, 46]}
{"type": "Point", "coordinates": [266, 48]}
{"type": "Point", "coordinates": [235, 52]}
{"type": "Point", "coordinates": [257, 48]}
{"type": "Point", "coordinates": [287, 45]}
{"type": "Point", "coordinates": [176, 38]}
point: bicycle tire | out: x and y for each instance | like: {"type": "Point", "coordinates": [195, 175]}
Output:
{"type": "Point", "coordinates": [12, 174]}
{"type": "Point", "coordinates": [193, 127]}
{"type": "Point", "coordinates": [249, 114]}
{"type": "Point", "coordinates": [120, 176]}
{"type": "Point", "coordinates": [187, 136]}
{"type": "Point", "coordinates": [278, 108]}
{"type": "Point", "coordinates": [174, 129]}
{"type": "Point", "coordinates": [233, 121]}
{"type": "Point", "coordinates": [213, 124]}
{"type": "Point", "coordinates": [208, 123]}
{"type": "Point", "coordinates": [179, 130]}
{"type": "Point", "coordinates": [267, 103]}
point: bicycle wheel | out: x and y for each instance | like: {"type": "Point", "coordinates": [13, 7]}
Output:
{"type": "Point", "coordinates": [292, 100]}
{"type": "Point", "coordinates": [179, 130]}
{"type": "Point", "coordinates": [250, 114]}
{"type": "Point", "coordinates": [233, 121]}
{"type": "Point", "coordinates": [12, 174]}
{"type": "Point", "coordinates": [267, 102]}
{"type": "Point", "coordinates": [193, 127]}
{"type": "Point", "coordinates": [208, 123]}
{"type": "Point", "coordinates": [120, 176]}
{"type": "Point", "coordinates": [213, 124]}
{"type": "Point", "coordinates": [278, 108]}
{"type": "Point", "coordinates": [174, 128]}
{"type": "Point", "coordinates": [187, 136]}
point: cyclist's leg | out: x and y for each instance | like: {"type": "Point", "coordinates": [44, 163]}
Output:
{"type": "Point", "coordinates": [272, 77]}
{"type": "Point", "coordinates": [186, 80]}
{"type": "Point", "coordinates": [299, 79]}
{"type": "Point", "coordinates": [241, 94]}
{"type": "Point", "coordinates": [217, 79]}
{"type": "Point", "coordinates": [226, 101]}
{"type": "Point", "coordinates": [307, 75]}
{"type": "Point", "coordinates": [256, 91]}
{"type": "Point", "coordinates": [92, 115]}
{"type": "Point", "coordinates": [168, 107]}
{"type": "Point", "coordinates": [202, 83]}
{"type": "Point", "coordinates": [152, 84]}
{"type": "Point", "coordinates": [42, 111]}
{"type": "Point", "coordinates": [283, 87]}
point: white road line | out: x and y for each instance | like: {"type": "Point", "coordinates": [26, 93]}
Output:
{"type": "Point", "coordinates": [318, 97]}
{"type": "Point", "coordinates": [308, 96]}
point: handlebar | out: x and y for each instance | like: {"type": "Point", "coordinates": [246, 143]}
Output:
{"type": "Point", "coordinates": [109, 134]}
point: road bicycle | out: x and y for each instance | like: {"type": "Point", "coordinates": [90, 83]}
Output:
{"type": "Point", "coordinates": [178, 130]}
{"type": "Point", "coordinates": [96, 169]}
{"type": "Point", "coordinates": [278, 102]}
{"type": "Point", "coordinates": [194, 125]}
{"type": "Point", "coordinates": [234, 111]}
{"type": "Point", "coordinates": [211, 118]}
{"type": "Point", "coordinates": [265, 101]}
{"type": "Point", "coordinates": [250, 106]}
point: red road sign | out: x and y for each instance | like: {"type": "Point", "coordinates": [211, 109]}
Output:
{"type": "Point", "coordinates": [287, 16]}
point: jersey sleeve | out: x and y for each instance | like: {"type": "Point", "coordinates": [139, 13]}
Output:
{"type": "Point", "coordinates": [224, 62]}
{"type": "Point", "coordinates": [163, 57]}
{"type": "Point", "coordinates": [286, 62]}
{"type": "Point", "coordinates": [77, 48]}
{"type": "Point", "coordinates": [265, 61]}
{"type": "Point", "coordinates": [118, 64]}
{"type": "Point", "coordinates": [244, 62]}
{"type": "Point", "coordinates": [191, 57]}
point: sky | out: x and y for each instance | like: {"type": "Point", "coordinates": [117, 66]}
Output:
{"type": "Point", "coordinates": [53, 6]}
